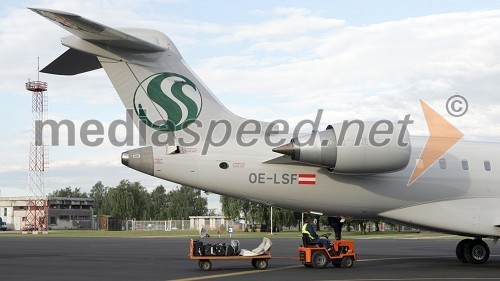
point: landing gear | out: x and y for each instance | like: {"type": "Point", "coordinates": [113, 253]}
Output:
{"type": "Point", "coordinates": [460, 251]}
{"type": "Point", "coordinates": [472, 251]}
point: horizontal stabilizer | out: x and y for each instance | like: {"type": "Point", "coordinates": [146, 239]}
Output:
{"type": "Point", "coordinates": [72, 62]}
{"type": "Point", "coordinates": [97, 33]}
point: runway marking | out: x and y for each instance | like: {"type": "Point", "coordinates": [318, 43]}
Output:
{"type": "Point", "coordinates": [236, 273]}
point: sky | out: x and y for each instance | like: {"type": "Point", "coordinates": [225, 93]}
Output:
{"type": "Point", "coordinates": [264, 60]}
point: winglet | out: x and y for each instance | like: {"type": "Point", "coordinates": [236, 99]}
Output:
{"type": "Point", "coordinates": [443, 136]}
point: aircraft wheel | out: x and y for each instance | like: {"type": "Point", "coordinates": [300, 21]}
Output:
{"type": "Point", "coordinates": [205, 265]}
{"type": "Point", "coordinates": [261, 264]}
{"type": "Point", "coordinates": [477, 251]}
{"type": "Point", "coordinates": [320, 259]}
{"type": "Point", "coordinates": [460, 250]}
{"type": "Point", "coordinates": [347, 262]}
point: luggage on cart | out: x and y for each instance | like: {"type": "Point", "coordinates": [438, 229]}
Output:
{"type": "Point", "coordinates": [198, 249]}
{"type": "Point", "coordinates": [233, 249]}
{"type": "Point", "coordinates": [220, 249]}
{"type": "Point", "coordinates": [230, 251]}
{"type": "Point", "coordinates": [209, 250]}
{"type": "Point", "coordinates": [221, 252]}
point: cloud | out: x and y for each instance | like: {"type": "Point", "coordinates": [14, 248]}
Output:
{"type": "Point", "coordinates": [290, 22]}
{"type": "Point", "coordinates": [370, 71]}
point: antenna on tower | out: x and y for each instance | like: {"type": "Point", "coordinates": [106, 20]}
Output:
{"type": "Point", "coordinates": [36, 203]}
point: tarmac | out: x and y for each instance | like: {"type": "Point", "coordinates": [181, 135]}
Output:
{"type": "Point", "coordinates": [46, 258]}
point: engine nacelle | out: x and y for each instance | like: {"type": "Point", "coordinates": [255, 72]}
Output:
{"type": "Point", "coordinates": [354, 147]}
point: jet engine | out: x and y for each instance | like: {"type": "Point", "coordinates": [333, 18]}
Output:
{"type": "Point", "coordinates": [354, 147]}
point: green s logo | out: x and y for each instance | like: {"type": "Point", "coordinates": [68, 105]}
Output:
{"type": "Point", "coordinates": [167, 102]}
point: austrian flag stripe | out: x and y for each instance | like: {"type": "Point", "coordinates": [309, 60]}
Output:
{"type": "Point", "coordinates": [307, 178]}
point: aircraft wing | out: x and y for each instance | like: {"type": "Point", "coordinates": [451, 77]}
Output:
{"type": "Point", "coordinates": [97, 33]}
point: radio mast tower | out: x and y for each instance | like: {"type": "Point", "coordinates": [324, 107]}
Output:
{"type": "Point", "coordinates": [36, 204]}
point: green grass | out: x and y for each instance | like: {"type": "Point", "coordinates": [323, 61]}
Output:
{"type": "Point", "coordinates": [236, 235]}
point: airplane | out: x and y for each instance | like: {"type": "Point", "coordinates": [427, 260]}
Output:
{"type": "Point", "coordinates": [192, 139]}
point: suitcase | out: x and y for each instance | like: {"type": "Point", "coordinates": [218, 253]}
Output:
{"type": "Point", "coordinates": [198, 248]}
{"type": "Point", "coordinates": [220, 249]}
{"type": "Point", "coordinates": [209, 250]}
{"type": "Point", "coordinates": [230, 251]}
{"type": "Point", "coordinates": [235, 244]}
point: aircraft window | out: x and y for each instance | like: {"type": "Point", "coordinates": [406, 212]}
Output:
{"type": "Point", "coordinates": [487, 165]}
{"type": "Point", "coordinates": [223, 165]}
{"type": "Point", "coordinates": [442, 163]}
{"type": "Point", "coordinates": [465, 164]}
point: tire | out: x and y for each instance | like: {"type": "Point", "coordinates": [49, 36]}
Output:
{"type": "Point", "coordinates": [261, 264]}
{"type": "Point", "coordinates": [254, 263]}
{"type": "Point", "coordinates": [477, 251]}
{"type": "Point", "coordinates": [460, 250]}
{"type": "Point", "coordinates": [320, 259]}
{"type": "Point", "coordinates": [205, 265]}
{"type": "Point", "coordinates": [347, 262]}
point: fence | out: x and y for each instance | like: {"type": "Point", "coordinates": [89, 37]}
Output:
{"type": "Point", "coordinates": [157, 225]}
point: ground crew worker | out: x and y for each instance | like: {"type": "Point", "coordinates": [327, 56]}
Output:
{"type": "Point", "coordinates": [308, 229]}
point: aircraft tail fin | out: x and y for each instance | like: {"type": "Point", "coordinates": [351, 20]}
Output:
{"type": "Point", "coordinates": [147, 71]}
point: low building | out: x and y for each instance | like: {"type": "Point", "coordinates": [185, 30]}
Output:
{"type": "Point", "coordinates": [209, 222]}
{"type": "Point", "coordinates": [108, 223]}
{"type": "Point", "coordinates": [63, 212]}
{"type": "Point", "coordinates": [70, 213]}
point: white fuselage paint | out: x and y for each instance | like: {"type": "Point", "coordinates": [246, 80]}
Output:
{"type": "Point", "coordinates": [257, 174]}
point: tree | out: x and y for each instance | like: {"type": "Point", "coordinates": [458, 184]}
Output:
{"type": "Point", "coordinates": [362, 224]}
{"type": "Point", "coordinates": [347, 224]}
{"type": "Point", "coordinates": [69, 192]}
{"type": "Point", "coordinates": [252, 212]}
{"type": "Point", "coordinates": [185, 201]}
{"type": "Point", "coordinates": [231, 207]}
{"type": "Point", "coordinates": [281, 218]}
{"type": "Point", "coordinates": [98, 192]}
{"type": "Point", "coordinates": [128, 200]}
{"type": "Point", "coordinates": [158, 203]}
